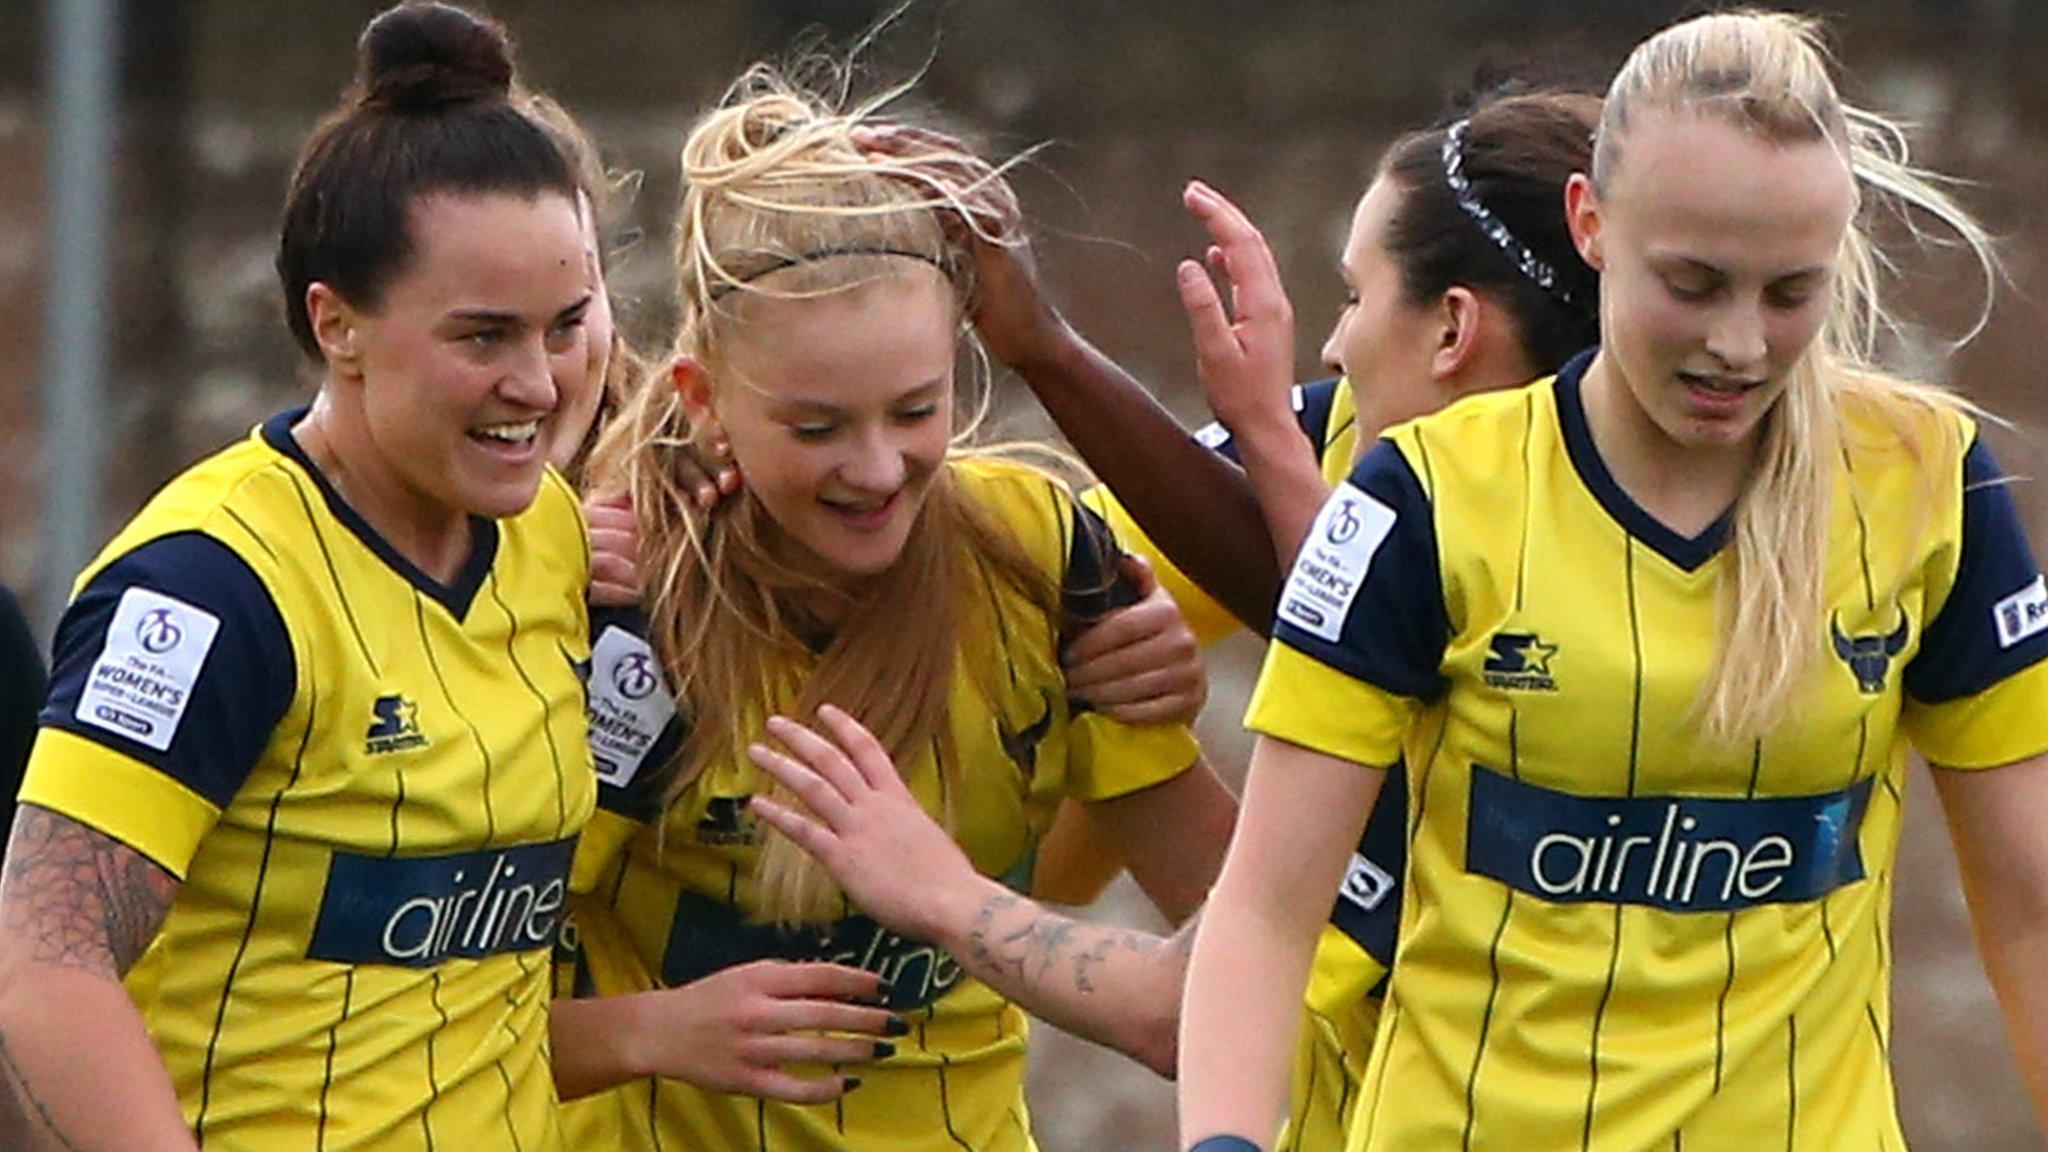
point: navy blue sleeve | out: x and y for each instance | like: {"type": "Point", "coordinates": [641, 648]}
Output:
{"type": "Point", "coordinates": [635, 728]}
{"type": "Point", "coordinates": [1995, 620]}
{"type": "Point", "coordinates": [1094, 584]}
{"type": "Point", "coordinates": [175, 655]}
{"type": "Point", "coordinates": [1365, 595]}
{"type": "Point", "coordinates": [1311, 403]}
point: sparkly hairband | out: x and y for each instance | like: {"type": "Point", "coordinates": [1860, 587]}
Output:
{"type": "Point", "coordinates": [816, 254]}
{"type": "Point", "coordinates": [1533, 266]}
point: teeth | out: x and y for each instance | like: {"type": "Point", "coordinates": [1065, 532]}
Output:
{"type": "Point", "coordinates": [511, 433]}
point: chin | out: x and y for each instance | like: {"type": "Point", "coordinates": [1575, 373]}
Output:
{"type": "Point", "coordinates": [503, 501]}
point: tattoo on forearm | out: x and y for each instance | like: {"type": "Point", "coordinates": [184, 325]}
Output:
{"type": "Point", "coordinates": [1011, 936]}
{"type": "Point", "coordinates": [26, 1120]}
{"type": "Point", "coordinates": [76, 898]}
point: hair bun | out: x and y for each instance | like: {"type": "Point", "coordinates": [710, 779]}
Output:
{"type": "Point", "coordinates": [422, 56]}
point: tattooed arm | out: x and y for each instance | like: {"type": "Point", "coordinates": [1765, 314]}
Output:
{"type": "Point", "coordinates": [1115, 986]}
{"type": "Point", "coordinates": [76, 910]}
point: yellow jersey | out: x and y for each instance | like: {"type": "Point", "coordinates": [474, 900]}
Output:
{"type": "Point", "coordinates": [369, 783]}
{"type": "Point", "coordinates": [1617, 936]}
{"type": "Point", "coordinates": [1357, 945]}
{"type": "Point", "coordinates": [667, 892]}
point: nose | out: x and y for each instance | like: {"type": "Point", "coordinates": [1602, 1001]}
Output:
{"type": "Point", "coordinates": [1736, 336]}
{"type": "Point", "coordinates": [1333, 346]}
{"type": "Point", "coordinates": [529, 376]}
{"type": "Point", "coordinates": [876, 463]}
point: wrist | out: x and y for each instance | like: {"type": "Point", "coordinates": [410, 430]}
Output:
{"type": "Point", "coordinates": [1048, 359]}
{"type": "Point", "coordinates": [952, 908]}
{"type": "Point", "coordinates": [1223, 1142]}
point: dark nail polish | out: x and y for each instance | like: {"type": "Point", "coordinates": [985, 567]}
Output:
{"type": "Point", "coordinates": [897, 1026]}
{"type": "Point", "coordinates": [852, 1082]}
{"type": "Point", "coordinates": [884, 1049]}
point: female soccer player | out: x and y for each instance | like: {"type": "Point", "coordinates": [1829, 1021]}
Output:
{"type": "Point", "coordinates": [866, 565]}
{"type": "Point", "coordinates": [296, 830]}
{"type": "Point", "coordinates": [1653, 637]}
{"type": "Point", "coordinates": [1462, 279]}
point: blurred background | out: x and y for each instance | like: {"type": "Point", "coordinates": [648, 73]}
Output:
{"type": "Point", "coordinates": [1283, 104]}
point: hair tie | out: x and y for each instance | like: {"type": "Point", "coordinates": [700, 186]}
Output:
{"type": "Point", "coordinates": [942, 263]}
{"type": "Point", "coordinates": [1538, 270]}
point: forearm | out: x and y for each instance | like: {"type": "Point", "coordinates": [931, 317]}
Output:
{"type": "Point", "coordinates": [1286, 476]}
{"type": "Point", "coordinates": [1240, 1018]}
{"type": "Point", "coordinates": [1196, 505]}
{"type": "Point", "coordinates": [1117, 987]}
{"type": "Point", "coordinates": [596, 1044]}
{"type": "Point", "coordinates": [2017, 963]}
{"type": "Point", "coordinates": [66, 1035]}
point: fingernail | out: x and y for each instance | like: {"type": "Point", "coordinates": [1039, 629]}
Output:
{"type": "Point", "coordinates": [852, 1082]}
{"type": "Point", "coordinates": [884, 1049]}
{"type": "Point", "coordinates": [896, 1026]}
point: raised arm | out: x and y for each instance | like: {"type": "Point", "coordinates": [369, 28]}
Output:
{"type": "Point", "coordinates": [76, 911]}
{"type": "Point", "coordinates": [1245, 357]}
{"type": "Point", "coordinates": [1115, 986]}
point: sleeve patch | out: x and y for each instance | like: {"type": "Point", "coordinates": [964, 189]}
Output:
{"type": "Point", "coordinates": [2022, 614]}
{"type": "Point", "coordinates": [1366, 884]}
{"type": "Point", "coordinates": [629, 704]}
{"type": "Point", "coordinates": [1334, 561]}
{"type": "Point", "coordinates": [1212, 435]}
{"type": "Point", "coordinates": [142, 680]}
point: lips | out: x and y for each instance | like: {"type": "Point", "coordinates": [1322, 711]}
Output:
{"type": "Point", "coordinates": [1716, 395]}
{"type": "Point", "coordinates": [864, 515]}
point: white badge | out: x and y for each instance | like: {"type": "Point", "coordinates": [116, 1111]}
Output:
{"type": "Point", "coordinates": [1212, 435]}
{"type": "Point", "coordinates": [142, 681]}
{"type": "Point", "coordinates": [1366, 884]}
{"type": "Point", "coordinates": [2021, 614]}
{"type": "Point", "coordinates": [629, 704]}
{"type": "Point", "coordinates": [1333, 562]}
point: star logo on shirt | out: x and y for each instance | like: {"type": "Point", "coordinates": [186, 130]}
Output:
{"type": "Point", "coordinates": [1520, 661]}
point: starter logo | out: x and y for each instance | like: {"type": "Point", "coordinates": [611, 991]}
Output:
{"type": "Point", "coordinates": [726, 820]}
{"type": "Point", "coordinates": [1334, 561]}
{"type": "Point", "coordinates": [1520, 662]}
{"type": "Point", "coordinates": [628, 709]}
{"type": "Point", "coordinates": [143, 680]}
{"type": "Point", "coordinates": [1679, 853]}
{"type": "Point", "coordinates": [396, 727]}
{"type": "Point", "coordinates": [418, 911]}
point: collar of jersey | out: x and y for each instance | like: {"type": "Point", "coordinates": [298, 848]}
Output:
{"type": "Point", "coordinates": [455, 597]}
{"type": "Point", "coordinates": [1687, 552]}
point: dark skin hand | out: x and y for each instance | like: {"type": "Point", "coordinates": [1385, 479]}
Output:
{"type": "Point", "coordinates": [1197, 506]}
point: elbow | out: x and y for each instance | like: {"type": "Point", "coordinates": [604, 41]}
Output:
{"type": "Point", "coordinates": [1161, 1052]}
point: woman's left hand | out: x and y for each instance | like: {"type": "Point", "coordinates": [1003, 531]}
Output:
{"type": "Point", "coordinates": [1140, 664]}
{"type": "Point", "coordinates": [894, 861]}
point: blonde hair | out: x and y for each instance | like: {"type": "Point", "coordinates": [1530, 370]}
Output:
{"type": "Point", "coordinates": [1768, 73]}
{"type": "Point", "coordinates": [781, 200]}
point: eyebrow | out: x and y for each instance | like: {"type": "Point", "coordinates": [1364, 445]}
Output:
{"type": "Point", "coordinates": [496, 316]}
{"type": "Point", "coordinates": [828, 408]}
{"type": "Point", "coordinates": [1715, 270]}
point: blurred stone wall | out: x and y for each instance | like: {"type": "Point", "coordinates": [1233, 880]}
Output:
{"type": "Point", "coordinates": [1282, 104]}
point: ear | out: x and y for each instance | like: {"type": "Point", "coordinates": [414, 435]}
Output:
{"type": "Point", "coordinates": [693, 386]}
{"type": "Point", "coordinates": [335, 324]}
{"type": "Point", "coordinates": [1582, 214]}
{"type": "Point", "coordinates": [1464, 314]}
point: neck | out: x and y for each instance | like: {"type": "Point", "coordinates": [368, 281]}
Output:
{"type": "Point", "coordinates": [1685, 487]}
{"type": "Point", "coordinates": [435, 538]}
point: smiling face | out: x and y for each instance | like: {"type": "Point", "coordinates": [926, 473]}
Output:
{"type": "Point", "coordinates": [838, 409]}
{"type": "Point", "coordinates": [453, 373]}
{"type": "Point", "coordinates": [1718, 250]}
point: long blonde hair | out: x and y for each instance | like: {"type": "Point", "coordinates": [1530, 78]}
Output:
{"type": "Point", "coordinates": [781, 200]}
{"type": "Point", "coordinates": [1768, 73]}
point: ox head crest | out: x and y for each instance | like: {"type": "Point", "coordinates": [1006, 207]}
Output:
{"type": "Point", "coordinates": [1869, 657]}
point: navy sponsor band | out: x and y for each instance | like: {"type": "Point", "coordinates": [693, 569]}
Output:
{"type": "Point", "coordinates": [708, 936]}
{"type": "Point", "coordinates": [419, 911]}
{"type": "Point", "coordinates": [1679, 853]}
